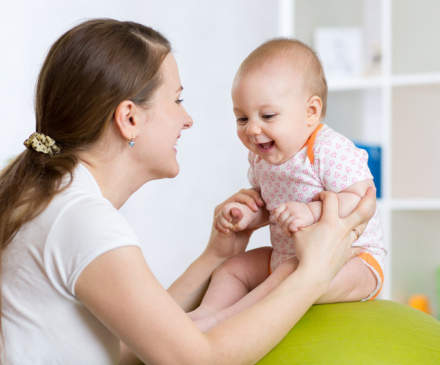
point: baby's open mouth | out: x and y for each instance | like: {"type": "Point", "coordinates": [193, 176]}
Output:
{"type": "Point", "coordinates": [267, 145]}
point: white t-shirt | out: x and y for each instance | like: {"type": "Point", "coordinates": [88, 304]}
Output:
{"type": "Point", "coordinates": [43, 321]}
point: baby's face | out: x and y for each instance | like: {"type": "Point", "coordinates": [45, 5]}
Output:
{"type": "Point", "coordinates": [271, 112]}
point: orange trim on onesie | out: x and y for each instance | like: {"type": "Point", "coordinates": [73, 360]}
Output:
{"type": "Point", "coordinates": [370, 260]}
{"type": "Point", "coordinates": [310, 142]}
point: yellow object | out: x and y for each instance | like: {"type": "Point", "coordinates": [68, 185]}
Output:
{"type": "Point", "coordinates": [420, 302]}
{"type": "Point", "coordinates": [42, 143]}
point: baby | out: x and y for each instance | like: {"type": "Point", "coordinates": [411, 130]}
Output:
{"type": "Point", "coordinates": [279, 95]}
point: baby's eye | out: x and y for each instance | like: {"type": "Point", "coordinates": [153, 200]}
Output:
{"type": "Point", "coordinates": [242, 120]}
{"type": "Point", "coordinates": [268, 116]}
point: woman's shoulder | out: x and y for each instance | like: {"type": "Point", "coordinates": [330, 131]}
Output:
{"type": "Point", "coordinates": [81, 212]}
{"type": "Point", "coordinates": [83, 226]}
{"type": "Point", "coordinates": [83, 193]}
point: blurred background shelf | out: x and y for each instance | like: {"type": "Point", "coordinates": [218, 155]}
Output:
{"type": "Point", "coordinates": [416, 79]}
{"type": "Point", "coordinates": [360, 83]}
{"type": "Point", "coordinates": [354, 84]}
{"type": "Point", "coordinates": [415, 204]}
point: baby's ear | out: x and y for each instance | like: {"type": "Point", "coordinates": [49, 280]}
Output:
{"type": "Point", "coordinates": [314, 108]}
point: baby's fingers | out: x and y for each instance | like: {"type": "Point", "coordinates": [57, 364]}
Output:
{"type": "Point", "coordinates": [278, 210]}
{"type": "Point", "coordinates": [222, 224]}
{"type": "Point", "coordinates": [286, 224]}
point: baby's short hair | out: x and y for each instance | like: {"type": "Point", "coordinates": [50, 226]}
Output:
{"type": "Point", "coordinates": [302, 57]}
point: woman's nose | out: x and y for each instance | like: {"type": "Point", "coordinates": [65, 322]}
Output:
{"type": "Point", "coordinates": [188, 120]}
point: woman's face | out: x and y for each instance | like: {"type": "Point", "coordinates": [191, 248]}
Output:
{"type": "Point", "coordinates": [164, 121]}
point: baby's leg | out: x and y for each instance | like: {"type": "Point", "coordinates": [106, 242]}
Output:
{"type": "Point", "coordinates": [253, 297]}
{"type": "Point", "coordinates": [233, 280]}
{"type": "Point", "coordinates": [281, 273]}
{"type": "Point", "coordinates": [356, 281]}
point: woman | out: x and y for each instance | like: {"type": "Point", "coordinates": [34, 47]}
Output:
{"type": "Point", "coordinates": [74, 280]}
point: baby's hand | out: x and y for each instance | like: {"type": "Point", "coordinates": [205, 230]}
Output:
{"type": "Point", "coordinates": [292, 216]}
{"type": "Point", "coordinates": [233, 217]}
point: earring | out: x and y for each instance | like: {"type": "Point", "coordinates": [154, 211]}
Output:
{"type": "Point", "coordinates": [131, 142]}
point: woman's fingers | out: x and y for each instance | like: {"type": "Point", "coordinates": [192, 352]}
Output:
{"type": "Point", "coordinates": [360, 216]}
{"type": "Point", "coordinates": [249, 197]}
{"type": "Point", "coordinates": [355, 251]}
{"type": "Point", "coordinates": [363, 212]}
{"type": "Point", "coordinates": [327, 244]}
{"type": "Point", "coordinates": [254, 194]}
{"type": "Point", "coordinates": [330, 205]}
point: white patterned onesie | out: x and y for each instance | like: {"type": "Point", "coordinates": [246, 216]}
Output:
{"type": "Point", "coordinates": [337, 164]}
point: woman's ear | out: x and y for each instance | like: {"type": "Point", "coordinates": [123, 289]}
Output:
{"type": "Point", "coordinates": [126, 119]}
{"type": "Point", "coordinates": [314, 109]}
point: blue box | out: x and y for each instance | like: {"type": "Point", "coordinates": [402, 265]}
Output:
{"type": "Point", "coordinates": [374, 163]}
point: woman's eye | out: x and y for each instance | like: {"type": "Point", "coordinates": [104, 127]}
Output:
{"type": "Point", "coordinates": [179, 101]}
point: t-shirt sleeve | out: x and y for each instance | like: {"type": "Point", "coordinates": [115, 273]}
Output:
{"type": "Point", "coordinates": [83, 231]}
{"type": "Point", "coordinates": [252, 175]}
{"type": "Point", "coordinates": [339, 163]}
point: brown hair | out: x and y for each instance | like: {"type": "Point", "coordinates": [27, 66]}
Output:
{"type": "Point", "coordinates": [302, 58]}
{"type": "Point", "coordinates": [87, 73]}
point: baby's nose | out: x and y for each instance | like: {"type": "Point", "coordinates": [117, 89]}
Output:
{"type": "Point", "coordinates": [253, 129]}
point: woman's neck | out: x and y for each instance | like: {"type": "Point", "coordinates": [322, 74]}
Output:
{"type": "Point", "coordinates": [115, 174]}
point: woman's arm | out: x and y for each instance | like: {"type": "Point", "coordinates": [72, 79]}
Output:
{"type": "Point", "coordinates": [134, 306]}
{"type": "Point", "coordinates": [189, 288]}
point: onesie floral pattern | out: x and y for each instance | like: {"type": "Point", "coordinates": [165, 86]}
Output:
{"type": "Point", "coordinates": [337, 164]}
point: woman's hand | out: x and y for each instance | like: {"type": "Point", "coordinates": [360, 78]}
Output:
{"type": "Point", "coordinates": [224, 246]}
{"type": "Point", "coordinates": [324, 247]}
{"type": "Point", "coordinates": [188, 289]}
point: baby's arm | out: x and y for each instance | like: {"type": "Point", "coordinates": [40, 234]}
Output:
{"type": "Point", "coordinates": [293, 215]}
{"type": "Point", "coordinates": [238, 217]}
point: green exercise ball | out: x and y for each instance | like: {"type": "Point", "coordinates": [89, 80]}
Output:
{"type": "Point", "coordinates": [374, 332]}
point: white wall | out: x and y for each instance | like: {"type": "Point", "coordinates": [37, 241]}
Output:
{"type": "Point", "coordinates": [171, 217]}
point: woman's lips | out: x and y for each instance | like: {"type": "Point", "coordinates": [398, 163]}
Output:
{"type": "Point", "coordinates": [177, 143]}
